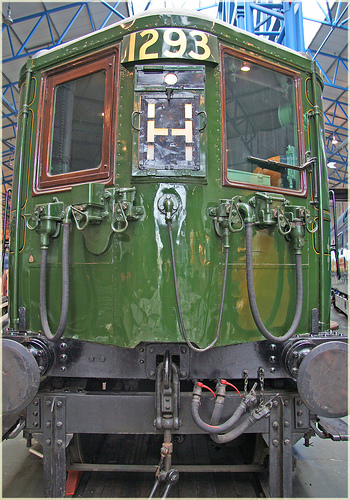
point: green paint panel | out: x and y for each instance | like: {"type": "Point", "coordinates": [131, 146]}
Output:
{"type": "Point", "coordinates": [121, 284]}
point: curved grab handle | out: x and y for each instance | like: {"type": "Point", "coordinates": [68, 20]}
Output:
{"type": "Point", "coordinates": [282, 223]}
{"type": "Point", "coordinates": [310, 222]}
{"type": "Point", "coordinates": [133, 114]}
{"type": "Point", "coordinates": [35, 219]}
{"type": "Point", "coordinates": [120, 220]}
{"type": "Point", "coordinates": [205, 119]}
{"type": "Point", "coordinates": [84, 220]}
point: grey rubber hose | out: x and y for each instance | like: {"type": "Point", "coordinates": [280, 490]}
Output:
{"type": "Point", "coordinates": [224, 427]}
{"type": "Point", "coordinates": [235, 433]}
{"type": "Point", "coordinates": [65, 288]}
{"type": "Point", "coordinates": [251, 292]}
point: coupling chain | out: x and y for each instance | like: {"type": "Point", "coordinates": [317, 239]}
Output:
{"type": "Point", "coordinates": [261, 374]}
{"type": "Point", "coordinates": [245, 375]}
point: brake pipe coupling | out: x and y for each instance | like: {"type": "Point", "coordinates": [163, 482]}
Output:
{"type": "Point", "coordinates": [214, 427]}
{"type": "Point", "coordinates": [47, 220]}
{"type": "Point", "coordinates": [266, 210]}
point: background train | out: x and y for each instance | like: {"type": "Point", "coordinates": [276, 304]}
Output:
{"type": "Point", "coordinates": [339, 263]}
{"type": "Point", "coordinates": [169, 234]}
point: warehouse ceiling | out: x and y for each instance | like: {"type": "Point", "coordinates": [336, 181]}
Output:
{"type": "Point", "coordinates": [31, 26]}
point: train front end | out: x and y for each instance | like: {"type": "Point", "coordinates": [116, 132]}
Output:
{"type": "Point", "coordinates": [170, 233]}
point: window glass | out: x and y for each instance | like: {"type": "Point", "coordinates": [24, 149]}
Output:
{"type": "Point", "coordinates": [260, 108]}
{"type": "Point", "coordinates": [78, 124]}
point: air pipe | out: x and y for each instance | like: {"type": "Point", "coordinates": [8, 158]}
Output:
{"type": "Point", "coordinates": [251, 292]}
{"type": "Point", "coordinates": [253, 417]}
{"type": "Point", "coordinates": [321, 155]}
{"type": "Point", "coordinates": [168, 208]}
{"type": "Point", "coordinates": [215, 428]}
{"type": "Point", "coordinates": [14, 319]}
{"type": "Point", "coordinates": [65, 284]}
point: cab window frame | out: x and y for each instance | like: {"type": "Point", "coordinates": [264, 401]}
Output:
{"type": "Point", "coordinates": [302, 191]}
{"type": "Point", "coordinates": [107, 61]}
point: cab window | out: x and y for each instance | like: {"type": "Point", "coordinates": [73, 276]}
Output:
{"type": "Point", "coordinates": [78, 123]}
{"type": "Point", "coordinates": [260, 123]}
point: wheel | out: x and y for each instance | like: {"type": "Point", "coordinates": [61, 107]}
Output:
{"type": "Point", "coordinates": [84, 448]}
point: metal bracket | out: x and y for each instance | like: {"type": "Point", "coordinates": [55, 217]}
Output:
{"type": "Point", "coordinates": [124, 209]}
{"type": "Point", "coordinates": [54, 443]}
{"type": "Point", "coordinates": [46, 220]}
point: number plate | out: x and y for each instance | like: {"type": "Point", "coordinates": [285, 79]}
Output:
{"type": "Point", "coordinates": [165, 43]}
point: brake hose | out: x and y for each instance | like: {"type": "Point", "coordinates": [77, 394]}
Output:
{"type": "Point", "coordinates": [251, 292]}
{"type": "Point", "coordinates": [188, 342]}
{"type": "Point", "coordinates": [237, 431]}
{"type": "Point", "coordinates": [225, 426]}
{"type": "Point", "coordinates": [65, 288]}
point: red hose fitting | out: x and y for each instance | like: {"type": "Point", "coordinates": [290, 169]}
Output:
{"type": "Point", "coordinates": [222, 381]}
{"type": "Point", "coordinates": [206, 387]}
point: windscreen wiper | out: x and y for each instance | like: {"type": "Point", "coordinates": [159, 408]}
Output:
{"type": "Point", "coordinates": [271, 163]}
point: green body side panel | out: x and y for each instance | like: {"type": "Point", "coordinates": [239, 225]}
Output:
{"type": "Point", "coordinates": [126, 295]}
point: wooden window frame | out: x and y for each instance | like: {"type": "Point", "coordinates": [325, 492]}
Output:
{"type": "Point", "coordinates": [302, 191]}
{"type": "Point", "coordinates": [104, 173]}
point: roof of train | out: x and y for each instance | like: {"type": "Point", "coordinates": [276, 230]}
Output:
{"type": "Point", "coordinates": [167, 18]}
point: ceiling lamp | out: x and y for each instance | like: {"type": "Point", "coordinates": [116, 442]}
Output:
{"type": "Point", "coordinates": [334, 140]}
{"type": "Point", "coordinates": [331, 164]}
{"type": "Point", "coordinates": [8, 19]}
{"type": "Point", "coordinates": [245, 66]}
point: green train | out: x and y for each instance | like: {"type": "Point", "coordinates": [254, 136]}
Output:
{"type": "Point", "coordinates": [169, 234]}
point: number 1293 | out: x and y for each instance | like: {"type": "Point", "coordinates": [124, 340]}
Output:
{"type": "Point", "coordinates": [169, 43]}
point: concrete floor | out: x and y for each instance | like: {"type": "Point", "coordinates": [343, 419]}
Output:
{"type": "Point", "coordinates": [321, 470]}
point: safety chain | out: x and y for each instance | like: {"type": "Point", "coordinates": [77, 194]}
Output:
{"type": "Point", "coordinates": [261, 374]}
{"type": "Point", "coordinates": [245, 375]}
